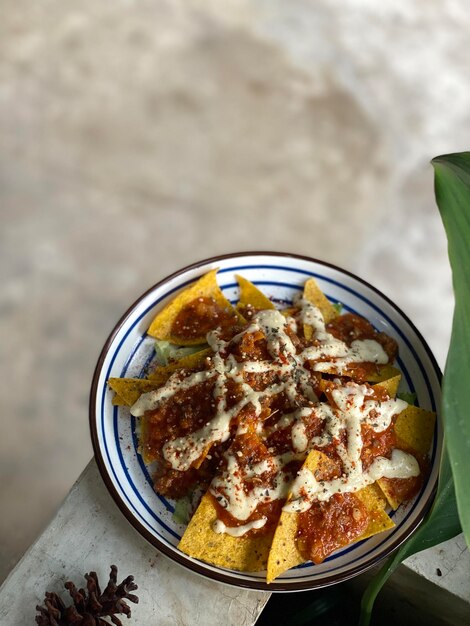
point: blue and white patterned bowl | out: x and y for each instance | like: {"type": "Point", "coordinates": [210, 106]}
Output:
{"type": "Point", "coordinates": [128, 351]}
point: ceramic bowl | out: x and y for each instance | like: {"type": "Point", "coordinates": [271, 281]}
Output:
{"type": "Point", "coordinates": [128, 351]}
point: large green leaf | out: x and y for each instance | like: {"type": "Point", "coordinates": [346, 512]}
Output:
{"type": "Point", "coordinates": [452, 188]}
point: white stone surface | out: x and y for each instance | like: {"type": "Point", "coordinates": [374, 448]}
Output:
{"type": "Point", "coordinates": [90, 533]}
{"type": "Point", "coordinates": [447, 566]}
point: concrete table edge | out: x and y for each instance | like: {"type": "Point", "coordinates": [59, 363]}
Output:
{"type": "Point", "coordinates": [90, 533]}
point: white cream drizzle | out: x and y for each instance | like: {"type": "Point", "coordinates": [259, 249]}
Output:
{"type": "Point", "coordinates": [237, 531]}
{"type": "Point", "coordinates": [306, 489]}
{"type": "Point", "coordinates": [184, 451]}
{"type": "Point", "coordinates": [360, 351]}
{"type": "Point", "coordinates": [295, 422]}
{"type": "Point", "coordinates": [240, 499]}
{"type": "Point", "coordinates": [152, 399]}
{"type": "Point", "coordinates": [353, 408]}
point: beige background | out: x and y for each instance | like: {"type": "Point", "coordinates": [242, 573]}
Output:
{"type": "Point", "coordinates": [136, 137]}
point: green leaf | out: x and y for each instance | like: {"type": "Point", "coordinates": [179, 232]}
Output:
{"type": "Point", "coordinates": [166, 351]}
{"type": "Point", "coordinates": [452, 187]}
{"type": "Point", "coordinates": [182, 512]}
{"type": "Point", "coordinates": [450, 512]}
{"type": "Point", "coordinates": [408, 396]}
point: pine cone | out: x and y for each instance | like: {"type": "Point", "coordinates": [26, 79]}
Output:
{"type": "Point", "coordinates": [89, 607]}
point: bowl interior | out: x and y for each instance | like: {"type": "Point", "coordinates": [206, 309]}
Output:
{"type": "Point", "coordinates": [128, 352]}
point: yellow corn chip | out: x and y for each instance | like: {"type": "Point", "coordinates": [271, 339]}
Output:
{"type": "Point", "coordinates": [245, 554]}
{"type": "Point", "coordinates": [118, 401]}
{"type": "Point", "coordinates": [414, 429]}
{"type": "Point", "coordinates": [284, 553]}
{"type": "Point", "coordinates": [384, 373]}
{"type": "Point", "coordinates": [374, 501]}
{"type": "Point", "coordinates": [315, 295]}
{"type": "Point", "coordinates": [161, 374]}
{"type": "Point", "coordinates": [390, 385]}
{"type": "Point", "coordinates": [129, 390]}
{"type": "Point", "coordinates": [206, 287]}
{"type": "Point", "coordinates": [387, 489]}
{"type": "Point", "coordinates": [252, 297]}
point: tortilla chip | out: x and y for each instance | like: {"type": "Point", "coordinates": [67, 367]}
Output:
{"type": "Point", "coordinates": [374, 501]}
{"type": "Point", "coordinates": [162, 373]}
{"type": "Point", "coordinates": [289, 311]}
{"type": "Point", "coordinates": [390, 385]}
{"type": "Point", "coordinates": [129, 390]}
{"type": "Point", "coordinates": [251, 297]}
{"type": "Point", "coordinates": [350, 371]}
{"type": "Point", "coordinates": [284, 553]}
{"type": "Point", "coordinates": [387, 489]}
{"type": "Point", "coordinates": [384, 373]}
{"type": "Point", "coordinates": [414, 428]}
{"type": "Point", "coordinates": [245, 554]}
{"type": "Point", "coordinates": [315, 295]}
{"type": "Point", "coordinates": [205, 287]}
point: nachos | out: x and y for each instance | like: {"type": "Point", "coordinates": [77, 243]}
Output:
{"type": "Point", "coordinates": [285, 419]}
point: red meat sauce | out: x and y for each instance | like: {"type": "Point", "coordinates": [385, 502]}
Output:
{"type": "Point", "coordinates": [350, 327]}
{"type": "Point", "coordinates": [331, 525]}
{"type": "Point", "coordinates": [328, 526]}
{"type": "Point", "coordinates": [188, 410]}
{"type": "Point", "coordinates": [375, 444]}
{"type": "Point", "coordinates": [250, 450]}
{"type": "Point", "coordinates": [200, 316]}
